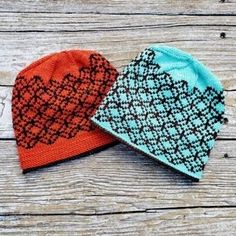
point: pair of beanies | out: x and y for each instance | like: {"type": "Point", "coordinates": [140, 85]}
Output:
{"type": "Point", "coordinates": [165, 104]}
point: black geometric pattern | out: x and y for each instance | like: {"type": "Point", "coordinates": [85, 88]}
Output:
{"type": "Point", "coordinates": [163, 116]}
{"type": "Point", "coordinates": [43, 112]}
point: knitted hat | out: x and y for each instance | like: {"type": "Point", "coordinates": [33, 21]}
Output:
{"type": "Point", "coordinates": [53, 99]}
{"type": "Point", "coordinates": [167, 105]}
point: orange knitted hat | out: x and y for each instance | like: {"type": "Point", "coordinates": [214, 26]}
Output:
{"type": "Point", "coordinates": [53, 99]}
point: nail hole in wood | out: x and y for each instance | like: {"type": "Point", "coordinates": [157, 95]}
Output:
{"type": "Point", "coordinates": [226, 155]}
{"type": "Point", "coordinates": [222, 1]}
{"type": "Point", "coordinates": [226, 120]}
{"type": "Point", "coordinates": [222, 35]}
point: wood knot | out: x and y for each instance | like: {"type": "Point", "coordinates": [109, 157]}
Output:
{"type": "Point", "coordinates": [222, 35]}
{"type": "Point", "coordinates": [225, 120]}
{"type": "Point", "coordinates": [226, 155]}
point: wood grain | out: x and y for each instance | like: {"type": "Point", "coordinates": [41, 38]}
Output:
{"type": "Point", "coordinates": [199, 221]}
{"type": "Point", "coordinates": [115, 180]}
{"type": "Point", "coordinates": [119, 38]}
{"type": "Point", "coordinates": [74, 22]}
{"type": "Point", "coordinates": [122, 6]}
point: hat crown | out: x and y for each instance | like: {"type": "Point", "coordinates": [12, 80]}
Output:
{"type": "Point", "coordinates": [183, 66]}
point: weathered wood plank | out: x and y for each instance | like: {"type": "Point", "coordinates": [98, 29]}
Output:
{"type": "Point", "coordinates": [170, 222]}
{"type": "Point", "coordinates": [115, 180]}
{"type": "Point", "coordinates": [122, 44]}
{"type": "Point", "coordinates": [47, 22]}
{"type": "Point", "coordinates": [123, 6]}
{"type": "Point", "coordinates": [6, 131]}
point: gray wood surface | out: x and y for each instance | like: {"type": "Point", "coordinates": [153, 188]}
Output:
{"type": "Point", "coordinates": [166, 7]}
{"type": "Point", "coordinates": [117, 191]}
{"type": "Point", "coordinates": [197, 221]}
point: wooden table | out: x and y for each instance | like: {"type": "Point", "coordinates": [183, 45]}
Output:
{"type": "Point", "coordinates": [117, 191]}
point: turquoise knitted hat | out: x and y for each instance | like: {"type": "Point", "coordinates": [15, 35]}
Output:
{"type": "Point", "coordinates": [167, 105]}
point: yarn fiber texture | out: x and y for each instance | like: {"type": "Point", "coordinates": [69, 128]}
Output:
{"type": "Point", "coordinates": [167, 105]}
{"type": "Point", "coordinates": [53, 100]}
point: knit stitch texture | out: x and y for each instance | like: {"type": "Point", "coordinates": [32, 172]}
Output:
{"type": "Point", "coordinates": [167, 105]}
{"type": "Point", "coordinates": [53, 99]}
